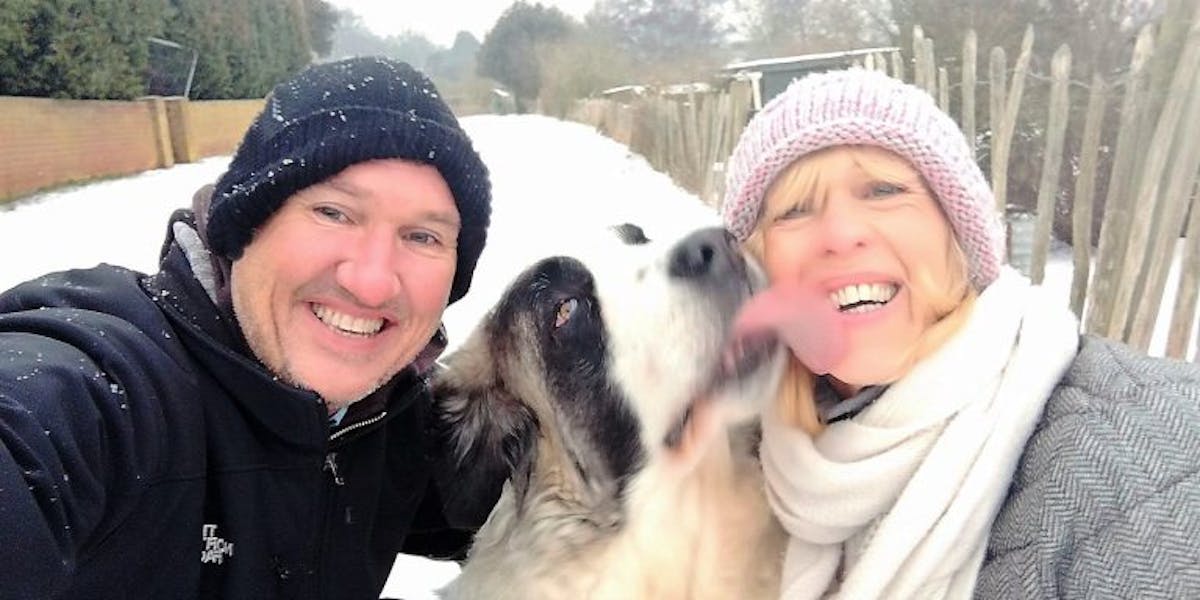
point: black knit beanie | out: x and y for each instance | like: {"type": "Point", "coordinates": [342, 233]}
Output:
{"type": "Point", "coordinates": [338, 114]}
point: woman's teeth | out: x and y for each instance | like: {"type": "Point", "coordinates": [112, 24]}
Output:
{"type": "Point", "coordinates": [863, 297]}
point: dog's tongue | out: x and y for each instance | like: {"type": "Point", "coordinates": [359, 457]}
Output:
{"type": "Point", "coordinates": [799, 316]}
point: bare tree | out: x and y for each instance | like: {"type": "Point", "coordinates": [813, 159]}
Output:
{"type": "Point", "coordinates": [671, 38]}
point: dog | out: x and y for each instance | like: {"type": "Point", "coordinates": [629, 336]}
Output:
{"type": "Point", "coordinates": [608, 392]}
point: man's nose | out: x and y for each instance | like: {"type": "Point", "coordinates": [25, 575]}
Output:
{"type": "Point", "coordinates": [370, 270]}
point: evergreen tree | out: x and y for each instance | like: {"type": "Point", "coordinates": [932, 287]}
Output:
{"type": "Point", "coordinates": [77, 48]}
{"type": "Point", "coordinates": [672, 39]}
{"type": "Point", "coordinates": [509, 53]}
{"type": "Point", "coordinates": [458, 62]}
{"type": "Point", "coordinates": [101, 48]}
{"type": "Point", "coordinates": [19, 46]}
{"type": "Point", "coordinates": [322, 20]}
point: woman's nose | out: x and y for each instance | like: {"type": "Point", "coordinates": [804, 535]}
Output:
{"type": "Point", "coordinates": [843, 226]}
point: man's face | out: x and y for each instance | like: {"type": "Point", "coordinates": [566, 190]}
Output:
{"type": "Point", "coordinates": [347, 281]}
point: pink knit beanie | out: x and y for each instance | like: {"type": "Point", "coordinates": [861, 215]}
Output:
{"type": "Point", "coordinates": [862, 107]}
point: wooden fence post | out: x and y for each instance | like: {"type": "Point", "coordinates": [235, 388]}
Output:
{"type": "Point", "coordinates": [1189, 286]}
{"type": "Point", "coordinates": [1149, 185]}
{"type": "Point", "coordinates": [898, 65]}
{"type": "Point", "coordinates": [182, 144]}
{"type": "Point", "coordinates": [1056, 129]}
{"type": "Point", "coordinates": [997, 88]}
{"type": "Point", "coordinates": [943, 88]}
{"type": "Point", "coordinates": [918, 57]}
{"type": "Point", "coordinates": [162, 131]}
{"type": "Point", "coordinates": [967, 120]}
{"type": "Point", "coordinates": [1085, 191]}
{"type": "Point", "coordinates": [1003, 145]}
{"type": "Point", "coordinates": [720, 117]}
{"type": "Point", "coordinates": [689, 150]}
{"type": "Point", "coordinates": [1174, 195]}
{"type": "Point", "coordinates": [881, 63]}
{"type": "Point", "coordinates": [930, 67]}
{"type": "Point", "coordinates": [1118, 202]}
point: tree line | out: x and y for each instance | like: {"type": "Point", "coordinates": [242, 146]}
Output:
{"type": "Point", "coordinates": [101, 49]}
{"type": "Point", "coordinates": [549, 60]}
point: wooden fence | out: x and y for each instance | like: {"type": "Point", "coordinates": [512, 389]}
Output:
{"type": "Point", "coordinates": [1120, 279]}
{"type": "Point", "coordinates": [49, 142]}
{"type": "Point", "coordinates": [687, 136]}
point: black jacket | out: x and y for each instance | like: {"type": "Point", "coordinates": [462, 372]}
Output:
{"type": "Point", "coordinates": [143, 455]}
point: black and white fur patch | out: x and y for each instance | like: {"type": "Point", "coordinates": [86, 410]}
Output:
{"type": "Point", "coordinates": [605, 388]}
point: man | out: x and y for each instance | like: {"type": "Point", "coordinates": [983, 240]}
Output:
{"type": "Point", "coordinates": [252, 420]}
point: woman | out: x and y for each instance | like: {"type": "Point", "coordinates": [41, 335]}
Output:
{"type": "Point", "coordinates": [943, 430]}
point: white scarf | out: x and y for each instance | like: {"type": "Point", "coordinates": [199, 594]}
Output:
{"type": "Point", "coordinates": [903, 495]}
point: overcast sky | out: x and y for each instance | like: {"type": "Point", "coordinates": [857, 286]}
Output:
{"type": "Point", "coordinates": [441, 20]}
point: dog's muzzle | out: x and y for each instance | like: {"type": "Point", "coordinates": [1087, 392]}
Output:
{"type": "Point", "coordinates": [707, 255]}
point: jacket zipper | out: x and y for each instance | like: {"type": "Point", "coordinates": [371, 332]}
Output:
{"type": "Point", "coordinates": [328, 501]}
{"type": "Point", "coordinates": [332, 466]}
{"type": "Point", "coordinates": [359, 425]}
{"type": "Point", "coordinates": [330, 491]}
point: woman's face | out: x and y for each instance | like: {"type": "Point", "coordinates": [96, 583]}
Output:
{"type": "Point", "coordinates": [860, 224]}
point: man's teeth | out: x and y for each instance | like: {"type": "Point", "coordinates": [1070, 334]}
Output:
{"type": "Point", "coordinates": [854, 296]}
{"type": "Point", "coordinates": [346, 323]}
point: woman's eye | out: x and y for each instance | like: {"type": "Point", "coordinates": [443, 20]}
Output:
{"type": "Point", "coordinates": [883, 189]}
{"type": "Point", "coordinates": [566, 308]}
{"type": "Point", "coordinates": [795, 212]}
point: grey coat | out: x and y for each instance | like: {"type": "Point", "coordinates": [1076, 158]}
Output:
{"type": "Point", "coordinates": [1105, 502]}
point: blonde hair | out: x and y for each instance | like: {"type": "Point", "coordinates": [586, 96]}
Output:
{"type": "Point", "coordinates": [949, 301]}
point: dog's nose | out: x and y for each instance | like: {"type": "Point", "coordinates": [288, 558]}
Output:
{"type": "Point", "coordinates": [704, 253]}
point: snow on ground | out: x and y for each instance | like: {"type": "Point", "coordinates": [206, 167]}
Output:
{"type": "Point", "coordinates": [119, 221]}
{"type": "Point", "coordinates": [555, 183]}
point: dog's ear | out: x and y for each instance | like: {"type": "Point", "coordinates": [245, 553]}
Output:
{"type": "Point", "coordinates": [631, 234]}
{"type": "Point", "coordinates": [491, 436]}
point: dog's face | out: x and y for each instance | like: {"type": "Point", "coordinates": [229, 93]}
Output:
{"type": "Point", "coordinates": [597, 363]}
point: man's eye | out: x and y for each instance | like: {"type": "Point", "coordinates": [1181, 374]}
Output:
{"type": "Point", "coordinates": [424, 238]}
{"type": "Point", "coordinates": [331, 213]}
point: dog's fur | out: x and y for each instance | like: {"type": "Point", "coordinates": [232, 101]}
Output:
{"type": "Point", "coordinates": [607, 392]}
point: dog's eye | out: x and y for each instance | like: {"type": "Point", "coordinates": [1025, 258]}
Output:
{"type": "Point", "coordinates": [566, 308]}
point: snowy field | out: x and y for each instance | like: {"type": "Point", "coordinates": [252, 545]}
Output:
{"type": "Point", "coordinates": [554, 184]}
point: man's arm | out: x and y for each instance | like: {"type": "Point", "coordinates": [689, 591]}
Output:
{"type": "Point", "coordinates": [81, 423]}
{"type": "Point", "coordinates": [56, 407]}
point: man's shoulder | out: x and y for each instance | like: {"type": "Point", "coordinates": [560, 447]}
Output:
{"type": "Point", "coordinates": [102, 317]}
{"type": "Point", "coordinates": [95, 288]}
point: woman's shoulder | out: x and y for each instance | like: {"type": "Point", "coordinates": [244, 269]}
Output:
{"type": "Point", "coordinates": [1106, 367]}
{"type": "Point", "coordinates": [1117, 409]}
{"type": "Point", "coordinates": [1106, 496]}
{"type": "Point", "coordinates": [1114, 400]}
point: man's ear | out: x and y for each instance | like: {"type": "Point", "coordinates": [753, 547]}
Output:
{"type": "Point", "coordinates": [490, 435]}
